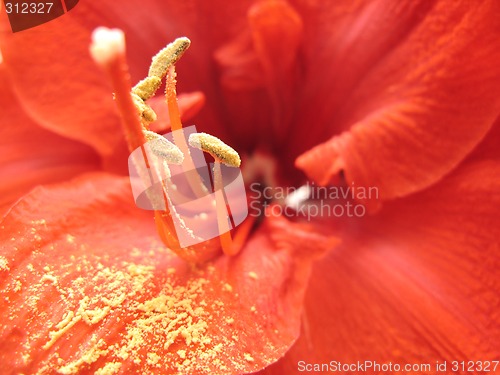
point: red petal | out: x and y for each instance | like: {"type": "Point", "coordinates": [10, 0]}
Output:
{"type": "Point", "coordinates": [277, 33]}
{"type": "Point", "coordinates": [260, 73]}
{"type": "Point", "coordinates": [488, 148]}
{"type": "Point", "coordinates": [86, 285]}
{"type": "Point", "coordinates": [30, 155]}
{"type": "Point", "coordinates": [60, 86]}
{"type": "Point", "coordinates": [417, 283]}
{"type": "Point", "coordinates": [418, 94]}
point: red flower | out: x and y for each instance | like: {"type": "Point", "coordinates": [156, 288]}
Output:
{"type": "Point", "coordinates": [400, 97]}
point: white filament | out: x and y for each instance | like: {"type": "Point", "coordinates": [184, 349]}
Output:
{"type": "Point", "coordinates": [295, 199]}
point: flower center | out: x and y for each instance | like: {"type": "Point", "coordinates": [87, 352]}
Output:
{"type": "Point", "coordinates": [108, 50]}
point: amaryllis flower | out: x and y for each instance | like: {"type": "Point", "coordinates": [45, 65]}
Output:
{"type": "Point", "coordinates": [398, 97]}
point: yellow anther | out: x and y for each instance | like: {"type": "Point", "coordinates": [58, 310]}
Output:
{"type": "Point", "coordinates": [215, 147]}
{"type": "Point", "coordinates": [160, 65]}
{"type": "Point", "coordinates": [145, 112]}
{"type": "Point", "coordinates": [222, 153]}
{"type": "Point", "coordinates": [167, 57]}
{"type": "Point", "coordinates": [146, 88]}
{"type": "Point", "coordinates": [163, 148]}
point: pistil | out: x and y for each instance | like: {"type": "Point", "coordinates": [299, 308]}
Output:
{"type": "Point", "coordinates": [108, 50]}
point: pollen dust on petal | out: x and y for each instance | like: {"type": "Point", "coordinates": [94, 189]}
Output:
{"type": "Point", "coordinates": [177, 322]}
{"type": "Point", "coordinates": [4, 264]}
{"type": "Point", "coordinates": [82, 310]}
{"type": "Point", "coordinates": [108, 317]}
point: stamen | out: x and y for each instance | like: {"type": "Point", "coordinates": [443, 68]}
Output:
{"type": "Point", "coordinates": [221, 153]}
{"type": "Point", "coordinates": [215, 147]}
{"type": "Point", "coordinates": [167, 57]}
{"type": "Point", "coordinates": [108, 51]}
{"type": "Point", "coordinates": [162, 147]}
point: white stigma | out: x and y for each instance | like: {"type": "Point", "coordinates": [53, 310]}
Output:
{"type": "Point", "coordinates": [106, 45]}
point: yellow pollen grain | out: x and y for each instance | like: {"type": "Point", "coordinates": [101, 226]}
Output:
{"type": "Point", "coordinates": [89, 357]}
{"type": "Point", "coordinates": [68, 321]}
{"type": "Point", "coordinates": [96, 315]}
{"type": "Point", "coordinates": [227, 287]}
{"type": "Point", "coordinates": [70, 238]}
{"type": "Point", "coordinates": [215, 147]}
{"type": "Point", "coordinates": [153, 359]}
{"type": "Point", "coordinates": [170, 271]}
{"type": "Point", "coordinates": [109, 368]}
{"type": "Point", "coordinates": [137, 270]}
{"type": "Point", "coordinates": [167, 57]}
{"type": "Point", "coordinates": [26, 358]}
{"type": "Point", "coordinates": [18, 285]}
{"type": "Point", "coordinates": [49, 278]}
{"type": "Point", "coordinates": [4, 264]}
{"type": "Point", "coordinates": [253, 275]}
{"type": "Point", "coordinates": [41, 222]}
{"type": "Point", "coordinates": [248, 357]}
